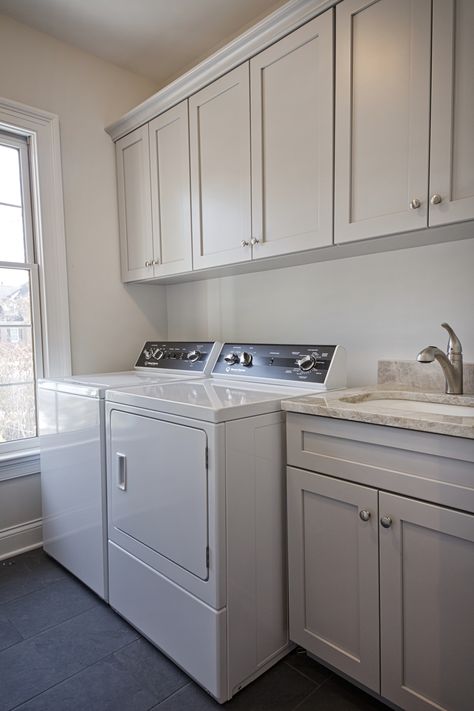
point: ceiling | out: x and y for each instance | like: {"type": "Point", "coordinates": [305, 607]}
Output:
{"type": "Point", "coordinates": [158, 39]}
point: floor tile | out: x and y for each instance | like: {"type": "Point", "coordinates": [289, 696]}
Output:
{"type": "Point", "coordinates": [8, 633]}
{"type": "Point", "coordinates": [24, 574]}
{"type": "Point", "coordinates": [48, 606]}
{"type": "Point", "coordinates": [337, 694]}
{"type": "Point", "coordinates": [104, 686]}
{"type": "Point", "coordinates": [32, 666]}
{"type": "Point", "coordinates": [151, 669]}
{"type": "Point", "coordinates": [300, 661]}
{"type": "Point", "coordinates": [280, 689]}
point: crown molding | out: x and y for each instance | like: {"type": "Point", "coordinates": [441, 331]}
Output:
{"type": "Point", "coordinates": [284, 20]}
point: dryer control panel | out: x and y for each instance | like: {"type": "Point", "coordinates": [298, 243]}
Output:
{"type": "Point", "coordinates": [322, 367]}
{"type": "Point", "coordinates": [186, 356]}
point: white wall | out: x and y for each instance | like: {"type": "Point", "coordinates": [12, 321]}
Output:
{"type": "Point", "coordinates": [87, 94]}
{"type": "Point", "coordinates": [379, 306]}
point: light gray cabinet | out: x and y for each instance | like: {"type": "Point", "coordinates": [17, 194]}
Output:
{"type": "Point", "coordinates": [376, 572]}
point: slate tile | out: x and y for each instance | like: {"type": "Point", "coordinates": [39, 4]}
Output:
{"type": "Point", "coordinates": [49, 606]}
{"type": "Point", "coordinates": [24, 574]}
{"type": "Point", "coordinates": [300, 661]}
{"type": "Point", "coordinates": [151, 669]}
{"type": "Point", "coordinates": [32, 666]}
{"type": "Point", "coordinates": [337, 694]}
{"type": "Point", "coordinates": [8, 633]}
{"type": "Point", "coordinates": [104, 686]}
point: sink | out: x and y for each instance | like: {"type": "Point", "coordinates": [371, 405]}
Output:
{"type": "Point", "coordinates": [374, 401]}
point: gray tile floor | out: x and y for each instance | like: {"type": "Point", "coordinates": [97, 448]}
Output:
{"type": "Point", "coordinates": [62, 649]}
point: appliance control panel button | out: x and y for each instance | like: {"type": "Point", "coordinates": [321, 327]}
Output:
{"type": "Point", "coordinates": [193, 356]}
{"type": "Point", "coordinates": [231, 358]}
{"type": "Point", "coordinates": [246, 359]}
{"type": "Point", "coordinates": [306, 363]}
{"type": "Point", "coordinates": [158, 354]}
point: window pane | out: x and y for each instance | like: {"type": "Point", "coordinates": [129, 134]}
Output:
{"type": "Point", "coordinates": [17, 412]}
{"type": "Point", "coordinates": [12, 240]}
{"type": "Point", "coordinates": [10, 186]}
{"type": "Point", "coordinates": [16, 355]}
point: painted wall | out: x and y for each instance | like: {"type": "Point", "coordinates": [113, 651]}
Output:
{"type": "Point", "coordinates": [379, 306]}
{"type": "Point", "coordinates": [87, 94]}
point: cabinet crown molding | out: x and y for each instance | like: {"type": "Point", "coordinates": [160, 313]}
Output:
{"type": "Point", "coordinates": [258, 37]}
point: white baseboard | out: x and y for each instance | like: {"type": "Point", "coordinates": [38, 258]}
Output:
{"type": "Point", "coordinates": [21, 538]}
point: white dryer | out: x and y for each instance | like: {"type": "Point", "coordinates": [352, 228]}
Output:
{"type": "Point", "coordinates": [196, 509]}
{"type": "Point", "coordinates": [72, 450]}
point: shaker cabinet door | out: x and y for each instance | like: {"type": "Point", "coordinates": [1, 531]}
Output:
{"type": "Point", "coordinates": [452, 116]}
{"type": "Point", "coordinates": [220, 170]}
{"type": "Point", "coordinates": [382, 117]}
{"type": "Point", "coordinates": [292, 88]}
{"type": "Point", "coordinates": [333, 572]}
{"type": "Point", "coordinates": [426, 605]}
{"type": "Point", "coordinates": [134, 201]}
{"type": "Point", "coordinates": [171, 191]}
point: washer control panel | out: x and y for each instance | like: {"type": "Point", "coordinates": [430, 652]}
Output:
{"type": "Point", "coordinates": [188, 356]}
{"type": "Point", "coordinates": [305, 364]}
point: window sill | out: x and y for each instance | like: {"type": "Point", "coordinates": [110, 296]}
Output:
{"type": "Point", "coordinates": [19, 463]}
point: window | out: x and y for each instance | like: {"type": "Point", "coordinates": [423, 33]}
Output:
{"type": "Point", "coordinates": [20, 328]}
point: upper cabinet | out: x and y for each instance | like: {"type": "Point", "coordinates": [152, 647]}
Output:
{"type": "Point", "coordinates": [220, 170]}
{"type": "Point", "coordinates": [292, 141]}
{"type": "Point", "coordinates": [382, 117]}
{"type": "Point", "coordinates": [452, 114]}
{"type": "Point", "coordinates": [134, 199]}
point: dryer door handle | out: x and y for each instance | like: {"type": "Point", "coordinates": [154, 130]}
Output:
{"type": "Point", "coordinates": [121, 471]}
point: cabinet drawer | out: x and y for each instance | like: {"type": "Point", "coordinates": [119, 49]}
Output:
{"type": "Point", "coordinates": [435, 468]}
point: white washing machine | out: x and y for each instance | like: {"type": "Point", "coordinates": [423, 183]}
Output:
{"type": "Point", "coordinates": [72, 447]}
{"type": "Point", "coordinates": [196, 509]}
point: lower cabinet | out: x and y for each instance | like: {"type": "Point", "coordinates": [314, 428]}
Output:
{"type": "Point", "coordinates": [381, 588]}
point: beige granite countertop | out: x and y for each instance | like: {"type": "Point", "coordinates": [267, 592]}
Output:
{"type": "Point", "coordinates": [329, 404]}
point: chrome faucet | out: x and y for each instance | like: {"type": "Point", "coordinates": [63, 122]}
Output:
{"type": "Point", "coordinates": [450, 363]}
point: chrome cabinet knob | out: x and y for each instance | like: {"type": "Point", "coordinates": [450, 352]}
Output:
{"type": "Point", "coordinates": [245, 359]}
{"type": "Point", "coordinates": [306, 363]}
{"type": "Point", "coordinates": [231, 358]}
{"type": "Point", "coordinates": [194, 356]}
{"type": "Point", "coordinates": [386, 521]}
{"type": "Point", "coordinates": [436, 199]}
{"type": "Point", "coordinates": [244, 243]}
{"type": "Point", "coordinates": [415, 204]}
{"type": "Point", "coordinates": [148, 263]}
{"type": "Point", "coordinates": [156, 262]}
{"type": "Point", "coordinates": [364, 514]}
{"type": "Point", "coordinates": [254, 241]}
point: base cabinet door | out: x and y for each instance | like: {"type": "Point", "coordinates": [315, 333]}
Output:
{"type": "Point", "coordinates": [292, 141]}
{"type": "Point", "coordinates": [426, 605]}
{"type": "Point", "coordinates": [452, 115]}
{"type": "Point", "coordinates": [333, 572]}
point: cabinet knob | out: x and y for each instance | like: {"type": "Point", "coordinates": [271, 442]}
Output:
{"type": "Point", "coordinates": [364, 514]}
{"type": "Point", "coordinates": [386, 521]}
{"type": "Point", "coordinates": [415, 204]}
{"type": "Point", "coordinates": [254, 241]}
{"type": "Point", "coordinates": [156, 262]}
{"type": "Point", "coordinates": [244, 243]}
{"type": "Point", "coordinates": [148, 263]}
{"type": "Point", "coordinates": [436, 199]}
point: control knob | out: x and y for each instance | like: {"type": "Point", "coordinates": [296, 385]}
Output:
{"type": "Point", "coordinates": [158, 354]}
{"type": "Point", "coordinates": [245, 359]}
{"type": "Point", "coordinates": [306, 363]}
{"type": "Point", "coordinates": [194, 356]}
{"type": "Point", "coordinates": [231, 358]}
{"type": "Point", "coordinates": [147, 354]}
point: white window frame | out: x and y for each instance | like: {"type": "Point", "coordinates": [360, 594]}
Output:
{"type": "Point", "coordinates": [49, 274]}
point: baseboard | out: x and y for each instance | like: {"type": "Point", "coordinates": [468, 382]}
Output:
{"type": "Point", "coordinates": [21, 538]}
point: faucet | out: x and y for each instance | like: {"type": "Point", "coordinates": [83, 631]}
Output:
{"type": "Point", "coordinates": [450, 363]}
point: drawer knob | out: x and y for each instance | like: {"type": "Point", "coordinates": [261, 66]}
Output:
{"type": "Point", "coordinates": [415, 204]}
{"type": "Point", "coordinates": [364, 514]}
{"type": "Point", "coordinates": [436, 199]}
{"type": "Point", "coordinates": [386, 521]}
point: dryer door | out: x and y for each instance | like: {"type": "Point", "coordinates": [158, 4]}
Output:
{"type": "Point", "coordinates": [159, 489]}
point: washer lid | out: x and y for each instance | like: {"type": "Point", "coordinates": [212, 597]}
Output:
{"type": "Point", "coordinates": [95, 385]}
{"type": "Point", "coordinates": [209, 399]}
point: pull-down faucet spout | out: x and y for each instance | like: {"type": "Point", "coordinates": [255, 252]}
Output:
{"type": "Point", "coordinates": [450, 363]}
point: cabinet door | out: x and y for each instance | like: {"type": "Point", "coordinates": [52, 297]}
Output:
{"type": "Point", "coordinates": [134, 200]}
{"type": "Point", "coordinates": [220, 170]}
{"type": "Point", "coordinates": [333, 573]}
{"type": "Point", "coordinates": [171, 191]}
{"type": "Point", "coordinates": [292, 141]}
{"type": "Point", "coordinates": [382, 117]}
{"type": "Point", "coordinates": [426, 599]}
{"type": "Point", "coordinates": [452, 117]}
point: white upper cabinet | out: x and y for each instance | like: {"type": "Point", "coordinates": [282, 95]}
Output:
{"type": "Point", "coordinates": [171, 191]}
{"type": "Point", "coordinates": [452, 117]}
{"type": "Point", "coordinates": [382, 117]}
{"type": "Point", "coordinates": [134, 199]}
{"type": "Point", "coordinates": [220, 170]}
{"type": "Point", "coordinates": [292, 141]}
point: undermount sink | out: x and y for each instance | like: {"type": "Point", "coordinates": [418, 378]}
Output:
{"type": "Point", "coordinates": [374, 401]}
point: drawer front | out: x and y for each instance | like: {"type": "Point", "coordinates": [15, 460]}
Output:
{"type": "Point", "coordinates": [432, 467]}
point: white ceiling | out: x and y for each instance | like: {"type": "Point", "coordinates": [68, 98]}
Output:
{"type": "Point", "coordinates": [158, 39]}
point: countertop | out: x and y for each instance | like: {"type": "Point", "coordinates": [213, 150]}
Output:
{"type": "Point", "coordinates": [329, 404]}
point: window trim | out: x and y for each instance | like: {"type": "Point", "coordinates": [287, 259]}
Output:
{"type": "Point", "coordinates": [41, 130]}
